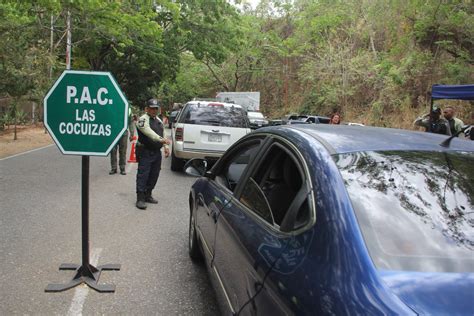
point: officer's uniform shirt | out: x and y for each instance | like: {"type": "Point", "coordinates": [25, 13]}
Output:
{"type": "Point", "coordinates": [150, 132]}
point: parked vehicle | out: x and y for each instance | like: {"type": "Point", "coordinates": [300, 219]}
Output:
{"type": "Point", "coordinates": [206, 129]}
{"type": "Point", "coordinates": [275, 122]}
{"type": "Point", "coordinates": [172, 118]}
{"type": "Point", "coordinates": [309, 220]}
{"type": "Point", "coordinates": [314, 119]}
{"type": "Point", "coordinates": [257, 120]}
{"type": "Point", "coordinates": [293, 122]}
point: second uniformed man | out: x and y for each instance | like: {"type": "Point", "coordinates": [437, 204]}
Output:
{"type": "Point", "coordinates": [151, 139]}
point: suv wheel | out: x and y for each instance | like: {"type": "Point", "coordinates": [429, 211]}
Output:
{"type": "Point", "coordinates": [176, 163]}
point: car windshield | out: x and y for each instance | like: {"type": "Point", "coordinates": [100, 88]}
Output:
{"type": "Point", "coordinates": [415, 209]}
{"type": "Point", "coordinates": [215, 115]}
{"type": "Point", "coordinates": [255, 115]}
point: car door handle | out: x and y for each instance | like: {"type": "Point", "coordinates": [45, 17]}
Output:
{"type": "Point", "coordinates": [213, 213]}
{"type": "Point", "coordinates": [209, 210]}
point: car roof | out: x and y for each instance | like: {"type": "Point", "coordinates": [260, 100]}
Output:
{"type": "Point", "coordinates": [205, 103]}
{"type": "Point", "coordinates": [343, 139]}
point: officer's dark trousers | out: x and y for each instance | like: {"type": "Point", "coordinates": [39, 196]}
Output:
{"type": "Point", "coordinates": [122, 149]}
{"type": "Point", "coordinates": [149, 167]}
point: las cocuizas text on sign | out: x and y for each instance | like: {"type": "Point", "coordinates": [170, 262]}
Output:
{"type": "Point", "coordinates": [85, 112]}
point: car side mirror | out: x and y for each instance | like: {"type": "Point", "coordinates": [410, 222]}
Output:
{"type": "Point", "coordinates": [196, 167]}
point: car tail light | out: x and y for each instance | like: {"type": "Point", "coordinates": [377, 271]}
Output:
{"type": "Point", "coordinates": [178, 134]}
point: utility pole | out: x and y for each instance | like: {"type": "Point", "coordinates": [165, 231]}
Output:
{"type": "Point", "coordinates": [285, 89]}
{"type": "Point", "coordinates": [68, 41]}
{"type": "Point", "coordinates": [51, 47]}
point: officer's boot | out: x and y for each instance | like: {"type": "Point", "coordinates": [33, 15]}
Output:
{"type": "Point", "coordinates": [149, 198]}
{"type": "Point", "coordinates": [141, 201]}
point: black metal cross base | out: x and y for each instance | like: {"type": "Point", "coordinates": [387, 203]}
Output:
{"type": "Point", "coordinates": [87, 274]}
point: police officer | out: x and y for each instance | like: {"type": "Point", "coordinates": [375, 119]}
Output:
{"type": "Point", "coordinates": [433, 122]}
{"type": "Point", "coordinates": [151, 138]}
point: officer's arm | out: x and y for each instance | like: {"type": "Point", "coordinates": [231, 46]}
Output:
{"type": "Point", "coordinates": [144, 127]}
{"type": "Point", "coordinates": [423, 121]}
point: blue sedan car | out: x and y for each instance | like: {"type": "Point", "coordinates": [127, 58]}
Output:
{"type": "Point", "coordinates": [346, 220]}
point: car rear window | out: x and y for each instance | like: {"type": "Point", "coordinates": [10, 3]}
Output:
{"type": "Point", "coordinates": [415, 209]}
{"type": "Point", "coordinates": [215, 115]}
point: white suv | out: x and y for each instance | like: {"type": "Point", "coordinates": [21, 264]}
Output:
{"type": "Point", "coordinates": [205, 129]}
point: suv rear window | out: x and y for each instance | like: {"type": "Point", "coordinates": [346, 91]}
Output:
{"type": "Point", "coordinates": [215, 115]}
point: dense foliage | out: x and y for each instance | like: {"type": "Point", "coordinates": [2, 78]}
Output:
{"type": "Point", "coordinates": [372, 60]}
{"type": "Point", "coordinates": [140, 42]}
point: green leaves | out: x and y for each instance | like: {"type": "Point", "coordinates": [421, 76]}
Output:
{"type": "Point", "coordinates": [302, 55]}
{"type": "Point", "coordinates": [140, 42]}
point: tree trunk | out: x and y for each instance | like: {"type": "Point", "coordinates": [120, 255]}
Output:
{"type": "Point", "coordinates": [14, 130]}
{"type": "Point", "coordinates": [14, 120]}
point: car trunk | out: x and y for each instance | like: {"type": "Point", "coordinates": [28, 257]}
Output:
{"type": "Point", "coordinates": [211, 138]}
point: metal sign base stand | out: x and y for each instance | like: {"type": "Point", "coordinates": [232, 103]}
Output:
{"type": "Point", "coordinates": [85, 273]}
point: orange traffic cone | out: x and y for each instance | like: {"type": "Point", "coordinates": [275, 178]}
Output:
{"type": "Point", "coordinates": [133, 157]}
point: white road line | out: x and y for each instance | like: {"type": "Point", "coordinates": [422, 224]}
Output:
{"type": "Point", "coordinates": [82, 290]}
{"type": "Point", "coordinates": [26, 152]}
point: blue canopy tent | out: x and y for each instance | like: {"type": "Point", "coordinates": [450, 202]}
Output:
{"type": "Point", "coordinates": [458, 92]}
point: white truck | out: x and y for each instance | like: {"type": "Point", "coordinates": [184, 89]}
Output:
{"type": "Point", "coordinates": [250, 101]}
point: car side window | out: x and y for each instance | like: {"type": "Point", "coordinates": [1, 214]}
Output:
{"type": "Point", "coordinates": [233, 168]}
{"type": "Point", "coordinates": [253, 197]}
{"type": "Point", "coordinates": [281, 187]}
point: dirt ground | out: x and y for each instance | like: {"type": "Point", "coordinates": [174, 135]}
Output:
{"type": "Point", "coordinates": [28, 138]}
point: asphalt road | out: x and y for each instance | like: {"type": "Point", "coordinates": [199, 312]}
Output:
{"type": "Point", "coordinates": [40, 228]}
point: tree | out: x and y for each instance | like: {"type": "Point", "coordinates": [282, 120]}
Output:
{"type": "Point", "coordinates": [23, 56]}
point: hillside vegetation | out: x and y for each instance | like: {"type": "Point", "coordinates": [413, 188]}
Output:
{"type": "Point", "coordinates": [372, 60]}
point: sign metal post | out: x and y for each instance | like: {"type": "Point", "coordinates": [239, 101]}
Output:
{"type": "Point", "coordinates": [86, 114]}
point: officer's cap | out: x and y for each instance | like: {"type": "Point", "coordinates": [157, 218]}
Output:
{"type": "Point", "coordinates": [152, 103]}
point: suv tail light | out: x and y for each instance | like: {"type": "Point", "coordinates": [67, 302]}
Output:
{"type": "Point", "coordinates": [178, 134]}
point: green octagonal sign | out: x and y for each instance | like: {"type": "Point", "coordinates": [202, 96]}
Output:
{"type": "Point", "coordinates": [85, 112]}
